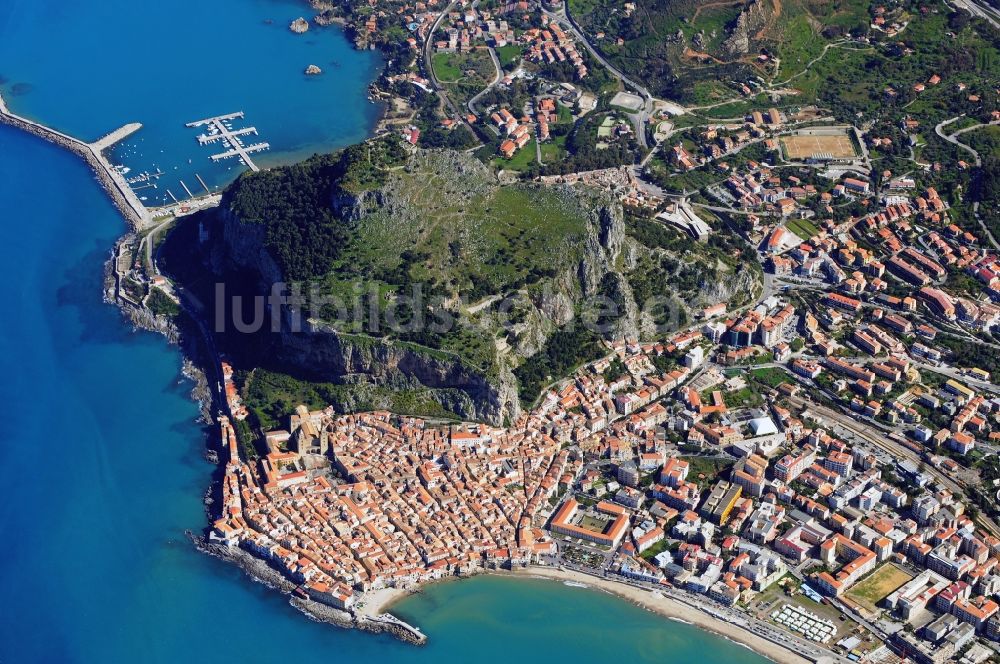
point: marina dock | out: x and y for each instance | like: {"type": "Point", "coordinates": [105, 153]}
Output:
{"type": "Point", "coordinates": [205, 139]}
{"type": "Point", "coordinates": [219, 118]}
{"type": "Point", "coordinates": [219, 131]}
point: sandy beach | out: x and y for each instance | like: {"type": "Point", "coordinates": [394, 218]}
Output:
{"type": "Point", "coordinates": [381, 601]}
{"type": "Point", "coordinates": [670, 608]}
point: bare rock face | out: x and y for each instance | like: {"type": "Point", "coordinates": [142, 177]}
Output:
{"type": "Point", "coordinates": [612, 230]}
{"type": "Point", "coordinates": [299, 25]}
{"type": "Point", "coordinates": [331, 356]}
{"type": "Point", "coordinates": [313, 70]}
{"type": "Point", "coordinates": [752, 19]}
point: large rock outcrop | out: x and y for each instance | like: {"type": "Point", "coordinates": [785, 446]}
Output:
{"type": "Point", "coordinates": [594, 269]}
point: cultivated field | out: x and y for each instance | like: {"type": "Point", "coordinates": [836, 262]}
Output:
{"type": "Point", "coordinates": [803, 146]}
{"type": "Point", "coordinates": [877, 587]}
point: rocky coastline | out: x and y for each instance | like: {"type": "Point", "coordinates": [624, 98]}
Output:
{"type": "Point", "coordinates": [264, 574]}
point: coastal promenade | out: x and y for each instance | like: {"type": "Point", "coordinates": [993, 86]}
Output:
{"type": "Point", "coordinates": [93, 153]}
{"type": "Point", "coordinates": [707, 615]}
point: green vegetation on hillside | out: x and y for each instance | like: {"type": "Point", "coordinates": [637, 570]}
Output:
{"type": "Point", "coordinates": [271, 397]}
{"type": "Point", "coordinates": [303, 233]}
{"type": "Point", "coordinates": [965, 353]}
{"type": "Point", "coordinates": [565, 350]}
{"type": "Point", "coordinates": [464, 74]}
{"type": "Point", "coordinates": [683, 49]}
{"type": "Point", "coordinates": [160, 304]}
{"type": "Point", "coordinates": [447, 67]}
{"type": "Point", "coordinates": [586, 151]}
{"type": "Point", "coordinates": [459, 235]}
{"type": "Point", "coordinates": [425, 249]}
{"type": "Point", "coordinates": [986, 190]}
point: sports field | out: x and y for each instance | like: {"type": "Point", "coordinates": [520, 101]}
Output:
{"type": "Point", "coordinates": [803, 228]}
{"type": "Point", "coordinates": [803, 146]}
{"type": "Point", "coordinates": [878, 586]}
{"type": "Point", "coordinates": [627, 100]}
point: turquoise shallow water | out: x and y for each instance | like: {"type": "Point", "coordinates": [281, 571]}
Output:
{"type": "Point", "coordinates": [100, 456]}
{"type": "Point", "coordinates": [496, 619]}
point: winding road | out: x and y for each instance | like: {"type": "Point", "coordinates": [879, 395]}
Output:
{"type": "Point", "coordinates": [496, 79]}
{"type": "Point", "coordinates": [939, 130]}
{"type": "Point", "coordinates": [980, 9]}
{"type": "Point", "coordinates": [429, 64]}
{"type": "Point", "coordinates": [640, 118]}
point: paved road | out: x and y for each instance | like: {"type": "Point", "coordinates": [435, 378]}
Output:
{"type": "Point", "coordinates": [959, 376]}
{"type": "Point", "coordinates": [639, 120]}
{"type": "Point", "coordinates": [429, 64]}
{"type": "Point", "coordinates": [719, 208]}
{"type": "Point", "coordinates": [149, 241]}
{"type": "Point", "coordinates": [980, 9]}
{"type": "Point", "coordinates": [939, 130]}
{"type": "Point", "coordinates": [496, 79]}
{"type": "Point", "coordinates": [951, 138]}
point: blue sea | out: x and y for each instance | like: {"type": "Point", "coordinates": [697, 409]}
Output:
{"type": "Point", "coordinates": [101, 466]}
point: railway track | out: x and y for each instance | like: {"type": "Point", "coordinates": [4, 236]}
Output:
{"type": "Point", "coordinates": [897, 451]}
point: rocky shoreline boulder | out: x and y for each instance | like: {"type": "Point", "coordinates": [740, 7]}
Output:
{"type": "Point", "coordinates": [299, 25]}
{"type": "Point", "coordinates": [313, 70]}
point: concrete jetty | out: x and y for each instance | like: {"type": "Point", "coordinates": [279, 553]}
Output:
{"type": "Point", "coordinates": [117, 135]}
{"type": "Point", "coordinates": [93, 153]}
{"type": "Point", "coordinates": [243, 153]}
{"type": "Point", "coordinates": [205, 139]}
{"type": "Point", "coordinates": [204, 186]}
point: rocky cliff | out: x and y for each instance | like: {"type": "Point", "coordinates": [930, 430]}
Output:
{"type": "Point", "coordinates": [442, 220]}
{"type": "Point", "coordinates": [751, 20]}
{"type": "Point", "coordinates": [320, 352]}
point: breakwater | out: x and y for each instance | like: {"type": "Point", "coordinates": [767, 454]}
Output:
{"type": "Point", "coordinates": [111, 180]}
